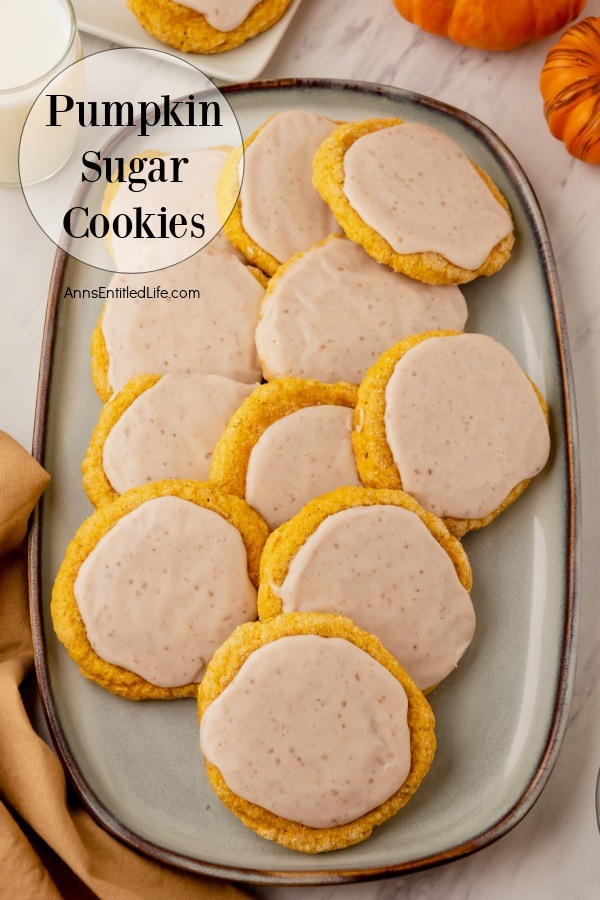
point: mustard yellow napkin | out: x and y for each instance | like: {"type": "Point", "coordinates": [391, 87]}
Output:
{"type": "Point", "coordinates": [48, 844]}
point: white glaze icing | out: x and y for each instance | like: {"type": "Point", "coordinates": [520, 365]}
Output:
{"type": "Point", "coordinates": [313, 729]}
{"type": "Point", "coordinates": [281, 210]}
{"type": "Point", "coordinates": [170, 431]}
{"type": "Point", "coordinates": [194, 193]}
{"type": "Point", "coordinates": [163, 589]}
{"type": "Point", "coordinates": [224, 15]}
{"type": "Point", "coordinates": [335, 310]}
{"type": "Point", "coordinates": [415, 186]}
{"type": "Point", "coordinates": [381, 567]}
{"type": "Point", "coordinates": [209, 335]}
{"type": "Point", "coordinates": [464, 424]}
{"type": "Point", "coordinates": [299, 457]}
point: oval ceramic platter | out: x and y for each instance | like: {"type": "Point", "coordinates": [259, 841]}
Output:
{"type": "Point", "coordinates": [500, 715]}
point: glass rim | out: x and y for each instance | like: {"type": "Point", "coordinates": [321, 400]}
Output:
{"type": "Point", "coordinates": [49, 74]}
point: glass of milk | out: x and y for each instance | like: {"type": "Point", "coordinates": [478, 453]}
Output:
{"type": "Point", "coordinates": [38, 38]}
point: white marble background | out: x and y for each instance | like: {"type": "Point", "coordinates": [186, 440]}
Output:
{"type": "Point", "coordinates": [554, 853]}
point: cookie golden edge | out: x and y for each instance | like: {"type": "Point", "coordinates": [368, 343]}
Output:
{"type": "Point", "coordinates": [99, 350]}
{"type": "Point", "coordinates": [430, 267]}
{"type": "Point", "coordinates": [265, 405]}
{"type": "Point", "coordinates": [66, 618]}
{"type": "Point", "coordinates": [95, 480]}
{"type": "Point", "coordinates": [99, 361]}
{"type": "Point", "coordinates": [188, 30]}
{"type": "Point", "coordinates": [374, 460]}
{"type": "Point", "coordinates": [225, 665]}
{"type": "Point", "coordinates": [284, 543]}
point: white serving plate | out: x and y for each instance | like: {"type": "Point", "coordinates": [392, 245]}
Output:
{"type": "Point", "coordinates": [113, 21]}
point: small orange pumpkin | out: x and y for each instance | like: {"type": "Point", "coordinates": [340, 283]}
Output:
{"type": "Point", "coordinates": [490, 24]}
{"type": "Point", "coordinates": [570, 86]}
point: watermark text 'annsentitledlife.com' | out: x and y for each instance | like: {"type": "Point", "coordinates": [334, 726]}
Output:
{"type": "Point", "coordinates": [130, 293]}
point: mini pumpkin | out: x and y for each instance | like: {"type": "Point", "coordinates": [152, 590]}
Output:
{"type": "Point", "coordinates": [570, 86]}
{"type": "Point", "coordinates": [491, 24]}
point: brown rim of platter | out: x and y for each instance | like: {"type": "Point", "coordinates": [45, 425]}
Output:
{"type": "Point", "coordinates": [539, 775]}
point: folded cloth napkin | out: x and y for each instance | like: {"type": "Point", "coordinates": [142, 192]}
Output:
{"type": "Point", "coordinates": [48, 844]}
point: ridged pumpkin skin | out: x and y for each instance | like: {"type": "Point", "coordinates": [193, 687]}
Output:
{"type": "Point", "coordinates": [570, 86]}
{"type": "Point", "coordinates": [490, 24]}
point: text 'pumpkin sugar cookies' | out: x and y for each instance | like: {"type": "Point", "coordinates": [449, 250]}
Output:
{"type": "Point", "coordinates": [152, 584]}
{"type": "Point", "coordinates": [207, 26]}
{"type": "Point", "coordinates": [453, 420]}
{"type": "Point", "coordinates": [190, 189]}
{"type": "Point", "coordinates": [331, 311]}
{"type": "Point", "coordinates": [410, 196]}
{"type": "Point", "coordinates": [209, 334]}
{"type": "Point", "coordinates": [159, 427]}
{"type": "Point", "coordinates": [313, 733]}
{"type": "Point", "coordinates": [288, 442]}
{"type": "Point", "coordinates": [377, 557]}
{"type": "Point", "coordinates": [278, 212]}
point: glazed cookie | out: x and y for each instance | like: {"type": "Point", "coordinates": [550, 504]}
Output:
{"type": "Point", "coordinates": [377, 557]}
{"type": "Point", "coordinates": [208, 334]}
{"type": "Point", "coordinates": [288, 442]}
{"type": "Point", "coordinates": [207, 26]}
{"type": "Point", "coordinates": [158, 427]}
{"type": "Point", "coordinates": [278, 212]}
{"type": "Point", "coordinates": [316, 759]}
{"type": "Point", "coordinates": [331, 311]}
{"type": "Point", "coordinates": [410, 196]}
{"type": "Point", "coordinates": [193, 192]}
{"type": "Point", "coordinates": [453, 420]}
{"type": "Point", "coordinates": [153, 582]}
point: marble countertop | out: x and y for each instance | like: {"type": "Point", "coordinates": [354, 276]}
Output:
{"type": "Point", "coordinates": [555, 851]}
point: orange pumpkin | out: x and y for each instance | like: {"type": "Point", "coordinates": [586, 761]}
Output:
{"type": "Point", "coordinates": [570, 86]}
{"type": "Point", "coordinates": [490, 24]}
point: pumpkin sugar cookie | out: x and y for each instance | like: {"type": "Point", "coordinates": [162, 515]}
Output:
{"type": "Point", "coordinates": [206, 26]}
{"type": "Point", "coordinates": [277, 213]}
{"type": "Point", "coordinates": [210, 334]}
{"type": "Point", "coordinates": [409, 195]}
{"type": "Point", "coordinates": [452, 419]}
{"type": "Point", "coordinates": [288, 442]}
{"type": "Point", "coordinates": [152, 584]}
{"type": "Point", "coordinates": [318, 758]}
{"type": "Point", "coordinates": [377, 557]}
{"type": "Point", "coordinates": [156, 428]}
{"type": "Point", "coordinates": [193, 191]}
{"type": "Point", "coordinates": [330, 312]}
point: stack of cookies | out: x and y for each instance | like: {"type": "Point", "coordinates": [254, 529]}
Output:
{"type": "Point", "coordinates": [328, 501]}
